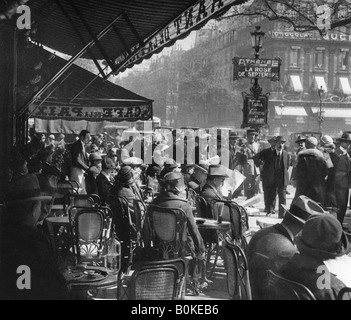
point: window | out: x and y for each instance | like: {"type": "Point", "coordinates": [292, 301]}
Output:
{"type": "Point", "coordinates": [294, 56]}
{"type": "Point", "coordinates": [319, 58]}
{"type": "Point", "coordinates": [344, 59]}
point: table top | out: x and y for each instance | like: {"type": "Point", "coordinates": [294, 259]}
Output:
{"type": "Point", "coordinates": [210, 224]}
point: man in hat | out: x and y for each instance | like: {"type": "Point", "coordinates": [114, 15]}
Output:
{"type": "Point", "coordinates": [251, 172]}
{"type": "Point", "coordinates": [311, 171]}
{"type": "Point", "coordinates": [342, 175]}
{"type": "Point", "coordinates": [28, 269]}
{"type": "Point", "coordinates": [105, 179]}
{"type": "Point", "coordinates": [80, 161]}
{"type": "Point", "coordinates": [322, 240]}
{"type": "Point", "coordinates": [187, 170]}
{"type": "Point", "coordinates": [215, 181]}
{"type": "Point", "coordinates": [272, 247]}
{"type": "Point", "coordinates": [300, 141]}
{"type": "Point", "coordinates": [233, 137]}
{"type": "Point", "coordinates": [91, 174]}
{"type": "Point", "coordinates": [174, 196]}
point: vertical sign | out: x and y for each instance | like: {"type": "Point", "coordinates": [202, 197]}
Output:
{"type": "Point", "coordinates": [255, 110]}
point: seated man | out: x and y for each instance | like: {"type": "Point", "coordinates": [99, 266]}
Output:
{"type": "Point", "coordinates": [174, 196]}
{"type": "Point", "coordinates": [198, 178]}
{"type": "Point", "coordinates": [322, 239]}
{"type": "Point", "coordinates": [272, 247]}
{"type": "Point", "coordinates": [21, 244]}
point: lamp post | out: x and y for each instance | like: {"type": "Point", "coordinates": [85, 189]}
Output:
{"type": "Point", "coordinates": [320, 113]}
{"type": "Point", "coordinates": [257, 43]}
{"type": "Point", "coordinates": [281, 118]}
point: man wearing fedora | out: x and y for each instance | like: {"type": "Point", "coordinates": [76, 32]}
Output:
{"type": "Point", "coordinates": [300, 141]}
{"type": "Point", "coordinates": [275, 175]}
{"type": "Point", "coordinates": [22, 244]}
{"type": "Point", "coordinates": [215, 181]}
{"type": "Point", "coordinates": [342, 175]}
{"type": "Point", "coordinates": [272, 247]}
{"type": "Point", "coordinates": [311, 172]}
{"type": "Point", "coordinates": [321, 239]}
{"type": "Point", "coordinates": [105, 179]}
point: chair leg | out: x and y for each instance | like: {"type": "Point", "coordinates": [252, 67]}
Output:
{"type": "Point", "coordinates": [215, 261]}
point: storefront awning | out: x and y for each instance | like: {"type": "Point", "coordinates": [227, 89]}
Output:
{"type": "Point", "coordinates": [345, 85]}
{"type": "Point", "coordinates": [290, 111]}
{"type": "Point", "coordinates": [334, 112]}
{"type": "Point", "coordinates": [296, 83]}
{"type": "Point", "coordinates": [320, 82]}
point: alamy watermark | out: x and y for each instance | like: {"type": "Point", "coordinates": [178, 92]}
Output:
{"type": "Point", "coordinates": [24, 19]}
{"type": "Point", "coordinates": [24, 280]}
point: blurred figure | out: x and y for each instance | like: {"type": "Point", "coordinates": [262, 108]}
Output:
{"type": "Point", "coordinates": [105, 180]}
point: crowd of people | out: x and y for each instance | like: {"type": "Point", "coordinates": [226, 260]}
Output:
{"type": "Point", "coordinates": [166, 167]}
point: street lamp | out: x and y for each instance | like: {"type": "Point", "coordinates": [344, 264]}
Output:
{"type": "Point", "coordinates": [281, 118]}
{"type": "Point", "coordinates": [320, 114]}
{"type": "Point", "coordinates": [257, 43]}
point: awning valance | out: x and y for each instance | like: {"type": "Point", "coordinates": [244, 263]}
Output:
{"type": "Point", "coordinates": [334, 112]}
{"type": "Point", "coordinates": [290, 111]}
{"type": "Point", "coordinates": [296, 83]}
{"type": "Point", "coordinates": [345, 85]}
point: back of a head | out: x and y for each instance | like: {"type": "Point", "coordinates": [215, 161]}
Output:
{"type": "Point", "coordinates": [311, 143]}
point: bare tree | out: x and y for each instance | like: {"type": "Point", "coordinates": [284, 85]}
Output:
{"type": "Point", "coordinates": [302, 15]}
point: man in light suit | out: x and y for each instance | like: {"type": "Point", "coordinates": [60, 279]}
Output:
{"type": "Point", "coordinates": [80, 162]}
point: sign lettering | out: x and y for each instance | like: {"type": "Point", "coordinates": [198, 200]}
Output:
{"type": "Point", "coordinates": [255, 110]}
{"type": "Point", "coordinates": [142, 112]}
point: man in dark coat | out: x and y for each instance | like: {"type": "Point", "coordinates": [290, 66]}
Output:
{"type": "Point", "coordinates": [321, 239]}
{"type": "Point", "coordinates": [272, 247]}
{"type": "Point", "coordinates": [275, 175]}
{"type": "Point", "coordinates": [104, 179]}
{"type": "Point", "coordinates": [342, 175]}
{"type": "Point", "coordinates": [174, 196]}
{"type": "Point", "coordinates": [311, 171]}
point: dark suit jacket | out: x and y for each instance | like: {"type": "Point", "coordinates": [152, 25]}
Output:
{"type": "Point", "coordinates": [268, 173]}
{"type": "Point", "coordinates": [104, 187]}
{"type": "Point", "coordinates": [78, 156]}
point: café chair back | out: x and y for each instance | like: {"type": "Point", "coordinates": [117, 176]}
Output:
{"type": "Point", "coordinates": [202, 208]}
{"type": "Point", "coordinates": [168, 231]}
{"type": "Point", "coordinates": [96, 199]}
{"type": "Point", "coordinates": [64, 195]}
{"type": "Point", "coordinates": [83, 200]}
{"type": "Point", "coordinates": [344, 294]}
{"type": "Point", "coordinates": [88, 225]}
{"type": "Point", "coordinates": [281, 288]}
{"type": "Point", "coordinates": [238, 280]}
{"type": "Point", "coordinates": [157, 281]}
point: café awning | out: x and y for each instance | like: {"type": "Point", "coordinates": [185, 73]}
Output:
{"type": "Point", "coordinates": [345, 85]}
{"type": "Point", "coordinates": [296, 83]}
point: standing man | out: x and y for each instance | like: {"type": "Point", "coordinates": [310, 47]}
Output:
{"type": "Point", "coordinates": [300, 141]}
{"type": "Point", "coordinates": [251, 172]}
{"type": "Point", "coordinates": [342, 175]}
{"type": "Point", "coordinates": [232, 150]}
{"type": "Point", "coordinates": [80, 162]}
{"type": "Point", "coordinates": [275, 175]}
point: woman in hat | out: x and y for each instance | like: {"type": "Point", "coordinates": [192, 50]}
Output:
{"type": "Point", "coordinates": [322, 240]}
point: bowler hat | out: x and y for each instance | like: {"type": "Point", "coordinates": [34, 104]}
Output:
{"type": "Point", "coordinates": [345, 137]}
{"type": "Point", "coordinates": [217, 171]}
{"type": "Point", "coordinates": [300, 138]}
{"type": "Point", "coordinates": [125, 175]}
{"type": "Point", "coordinates": [26, 188]}
{"type": "Point", "coordinates": [302, 208]}
{"type": "Point", "coordinates": [322, 235]}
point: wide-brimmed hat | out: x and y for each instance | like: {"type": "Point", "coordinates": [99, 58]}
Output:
{"type": "Point", "coordinates": [322, 235]}
{"type": "Point", "coordinates": [301, 209]}
{"type": "Point", "coordinates": [125, 175]}
{"type": "Point", "coordinates": [26, 188]}
{"type": "Point", "coordinates": [345, 137]}
{"type": "Point", "coordinates": [280, 139]}
{"type": "Point", "coordinates": [202, 168]}
{"type": "Point", "coordinates": [176, 177]}
{"type": "Point", "coordinates": [300, 138]}
{"type": "Point", "coordinates": [133, 161]}
{"type": "Point", "coordinates": [108, 163]}
{"type": "Point", "coordinates": [217, 171]}
{"type": "Point", "coordinates": [271, 139]}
